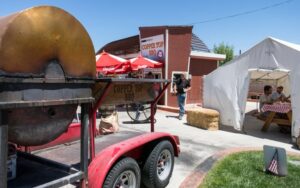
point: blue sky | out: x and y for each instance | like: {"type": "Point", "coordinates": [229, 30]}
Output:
{"type": "Point", "coordinates": [115, 19]}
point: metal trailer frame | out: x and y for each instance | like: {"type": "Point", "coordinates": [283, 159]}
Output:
{"type": "Point", "coordinates": [3, 150]}
{"type": "Point", "coordinates": [88, 127]}
{"type": "Point", "coordinates": [107, 88]}
{"type": "Point", "coordinates": [73, 175]}
{"type": "Point", "coordinates": [134, 147]}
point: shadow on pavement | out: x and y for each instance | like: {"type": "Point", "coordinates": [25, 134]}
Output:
{"type": "Point", "coordinates": [138, 122]}
{"type": "Point", "coordinates": [168, 116]}
{"type": "Point", "coordinates": [194, 151]}
{"type": "Point", "coordinates": [252, 127]}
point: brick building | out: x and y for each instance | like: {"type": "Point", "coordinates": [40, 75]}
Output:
{"type": "Point", "coordinates": [183, 52]}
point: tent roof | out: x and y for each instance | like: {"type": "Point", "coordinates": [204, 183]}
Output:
{"type": "Point", "coordinates": [268, 40]}
{"type": "Point", "coordinates": [288, 44]}
{"type": "Point", "coordinates": [262, 74]}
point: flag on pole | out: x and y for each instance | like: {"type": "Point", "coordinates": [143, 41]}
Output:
{"type": "Point", "coordinates": [273, 167]}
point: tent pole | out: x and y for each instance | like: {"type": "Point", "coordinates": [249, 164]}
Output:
{"type": "Point", "coordinates": [283, 76]}
{"type": "Point", "coordinates": [262, 76]}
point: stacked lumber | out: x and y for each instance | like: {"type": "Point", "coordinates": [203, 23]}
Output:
{"type": "Point", "coordinates": [203, 118]}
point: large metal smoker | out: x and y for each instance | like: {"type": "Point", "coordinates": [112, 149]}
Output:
{"type": "Point", "coordinates": [47, 69]}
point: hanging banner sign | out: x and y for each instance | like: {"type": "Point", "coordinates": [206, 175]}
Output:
{"type": "Point", "coordinates": [153, 47]}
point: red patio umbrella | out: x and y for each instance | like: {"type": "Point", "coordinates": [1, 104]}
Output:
{"type": "Point", "coordinates": [108, 62]}
{"type": "Point", "coordinates": [141, 62]}
{"type": "Point", "coordinates": [119, 69]}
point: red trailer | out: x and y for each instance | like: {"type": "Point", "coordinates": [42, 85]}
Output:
{"type": "Point", "coordinates": [47, 70]}
{"type": "Point", "coordinates": [118, 160]}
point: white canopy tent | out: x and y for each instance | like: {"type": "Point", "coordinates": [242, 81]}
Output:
{"type": "Point", "coordinates": [226, 88]}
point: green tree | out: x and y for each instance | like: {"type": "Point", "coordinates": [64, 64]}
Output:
{"type": "Point", "coordinates": [223, 48]}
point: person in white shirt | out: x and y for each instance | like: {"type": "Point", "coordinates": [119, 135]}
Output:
{"type": "Point", "coordinates": [279, 96]}
{"type": "Point", "coordinates": [266, 98]}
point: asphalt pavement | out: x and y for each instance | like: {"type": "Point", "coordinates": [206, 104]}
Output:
{"type": "Point", "coordinates": [198, 144]}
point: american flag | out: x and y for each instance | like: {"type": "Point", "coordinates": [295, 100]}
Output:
{"type": "Point", "coordinates": [273, 167]}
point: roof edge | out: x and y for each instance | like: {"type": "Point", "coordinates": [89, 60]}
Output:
{"type": "Point", "coordinates": [166, 26]}
{"type": "Point", "coordinates": [119, 40]}
{"type": "Point", "coordinates": [286, 43]}
{"type": "Point", "coordinates": [207, 55]}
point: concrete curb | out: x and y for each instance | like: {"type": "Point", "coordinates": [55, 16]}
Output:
{"type": "Point", "coordinates": [176, 109]}
{"type": "Point", "coordinates": [195, 178]}
{"type": "Point", "coordinates": [168, 109]}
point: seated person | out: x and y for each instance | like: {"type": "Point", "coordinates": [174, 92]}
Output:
{"type": "Point", "coordinates": [279, 96]}
{"type": "Point", "coordinates": [129, 75]}
{"type": "Point", "coordinates": [149, 75]}
{"type": "Point", "coordinates": [266, 97]}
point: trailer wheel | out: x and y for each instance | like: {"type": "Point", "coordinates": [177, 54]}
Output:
{"type": "Point", "coordinates": [158, 167]}
{"type": "Point", "coordinates": [126, 173]}
{"type": "Point", "coordinates": [139, 112]}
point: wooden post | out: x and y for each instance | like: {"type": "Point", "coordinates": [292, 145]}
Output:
{"type": "Point", "coordinates": [268, 121]}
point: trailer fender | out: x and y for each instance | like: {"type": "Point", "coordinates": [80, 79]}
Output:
{"type": "Point", "coordinates": [104, 161]}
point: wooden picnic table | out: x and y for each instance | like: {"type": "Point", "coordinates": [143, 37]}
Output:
{"type": "Point", "coordinates": [279, 109]}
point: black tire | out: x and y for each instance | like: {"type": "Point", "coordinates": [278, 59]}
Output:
{"type": "Point", "coordinates": [125, 165]}
{"type": "Point", "coordinates": [139, 112]}
{"type": "Point", "coordinates": [150, 177]}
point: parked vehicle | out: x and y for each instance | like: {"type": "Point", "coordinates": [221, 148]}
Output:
{"type": "Point", "coordinates": [47, 70]}
{"type": "Point", "coordinates": [115, 160]}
